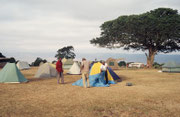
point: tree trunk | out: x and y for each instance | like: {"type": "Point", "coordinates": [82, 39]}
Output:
{"type": "Point", "coordinates": [150, 58]}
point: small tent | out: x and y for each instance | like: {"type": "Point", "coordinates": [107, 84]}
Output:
{"type": "Point", "coordinates": [41, 63]}
{"type": "Point", "coordinates": [67, 63]}
{"type": "Point", "coordinates": [97, 78]}
{"type": "Point", "coordinates": [22, 65]}
{"type": "Point", "coordinates": [64, 60]}
{"type": "Point", "coordinates": [136, 65]}
{"type": "Point", "coordinates": [46, 70]}
{"type": "Point", "coordinates": [11, 74]}
{"type": "Point", "coordinates": [52, 65]}
{"type": "Point", "coordinates": [75, 69]}
{"type": "Point", "coordinates": [113, 63]}
{"type": "Point", "coordinates": [171, 67]}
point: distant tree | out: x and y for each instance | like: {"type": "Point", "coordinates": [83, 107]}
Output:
{"type": "Point", "coordinates": [2, 56]}
{"type": "Point", "coordinates": [17, 61]}
{"type": "Point", "coordinates": [66, 52]}
{"type": "Point", "coordinates": [44, 61]}
{"type": "Point", "coordinates": [12, 60]}
{"type": "Point", "coordinates": [157, 65]}
{"type": "Point", "coordinates": [122, 64]}
{"type": "Point", "coordinates": [53, 62]}
{"type": "Point", "coordinates": [37, 61]}
{"type": "Point", "coordinates": [155, 31]}
{"type": "Point", "coordinates": [32, 64]}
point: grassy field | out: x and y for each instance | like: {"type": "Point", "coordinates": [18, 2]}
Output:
{"type": "Point", "coordinates": [153, 94]}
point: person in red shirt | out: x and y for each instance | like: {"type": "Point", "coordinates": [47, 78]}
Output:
{"type": "Point", "coordinates": [59, 69]}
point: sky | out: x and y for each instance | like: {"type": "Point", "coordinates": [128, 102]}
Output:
{"type": "Point", "coordinates": [38, 28]}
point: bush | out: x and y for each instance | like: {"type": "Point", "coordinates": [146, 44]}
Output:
{"type": "Point", "coordinates": [12, 60]}
{"type": "Point", "coordinates": [122, 64]}
{"type": "Point", "coordinates": [157, 65]}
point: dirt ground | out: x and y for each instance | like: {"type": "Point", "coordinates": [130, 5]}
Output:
{"type": "Point", "coordinates": [153, 94]}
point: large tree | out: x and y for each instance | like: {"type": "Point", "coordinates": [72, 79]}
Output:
{"type": "Point", "coordinates": [153, 32]}
{"type": "Point", "coordinates": [66, 52]}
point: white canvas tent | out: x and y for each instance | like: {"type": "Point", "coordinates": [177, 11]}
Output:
{"type": "Point", "coordinates": [64, 60]}
{"type": "Point", "coordinates": [67, 63]}
{"type": "Point", "coordinates": [41, 63]}
{"type": "Point", "coordinates": [23, 65]}
{"type": "Point", "coordinates": [75, 69]}
{"type": "Point", "coordinates": [137, 65]}
{"type": "Point", "coordinates": [46, 70]}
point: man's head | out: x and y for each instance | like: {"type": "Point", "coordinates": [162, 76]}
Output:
{"type": "Point", "coordinates": [83, 59]}
{"type": "Point", "coordinates": [103, 62]}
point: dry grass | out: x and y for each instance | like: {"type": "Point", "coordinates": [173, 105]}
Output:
{"type": "Point", "coordinates": [152, 95]}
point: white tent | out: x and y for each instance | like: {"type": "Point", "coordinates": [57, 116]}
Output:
{"type": "Point", "coordinates": [41, 63]}
{"type": "Point", "coordinates": [23, 65]}
{"type": "Point", "coordinates": [46, 70]}
{"type": "Point", "coordinates": [64, 60]}
{"type": "Point", "coordinates": [67, 63]}
{"type": "Point", "coordinates": [137, 65]}
{"type": "Point", "coordinates": [75, 69]}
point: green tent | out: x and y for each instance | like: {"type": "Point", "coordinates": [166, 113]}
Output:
{"type": "Point", "coordinates": [171, 67]}
{"type": "Point", "coordinates": [11, 74]}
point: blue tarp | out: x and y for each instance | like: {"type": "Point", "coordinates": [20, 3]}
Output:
{"type": "Point", "coordinates": [94, 80]}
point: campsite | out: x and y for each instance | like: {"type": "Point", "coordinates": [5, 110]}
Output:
{"type": "Point", "coordinates": [89, 58]}
{"type": "Point", "coordinates": [153, 94]}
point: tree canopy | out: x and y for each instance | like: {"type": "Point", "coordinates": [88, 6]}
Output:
{"type": "Point", "coordinates": [2, 56]}
{"type": "Point", "coordinates": [38, 61]}
{"type": "Point", "coordinates": [66, 52]}
{"type": "Point", "coordinates": [154, 31]}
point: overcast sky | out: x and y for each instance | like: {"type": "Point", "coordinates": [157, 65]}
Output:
{"type": "Point", "coordinates": [44, 26]}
